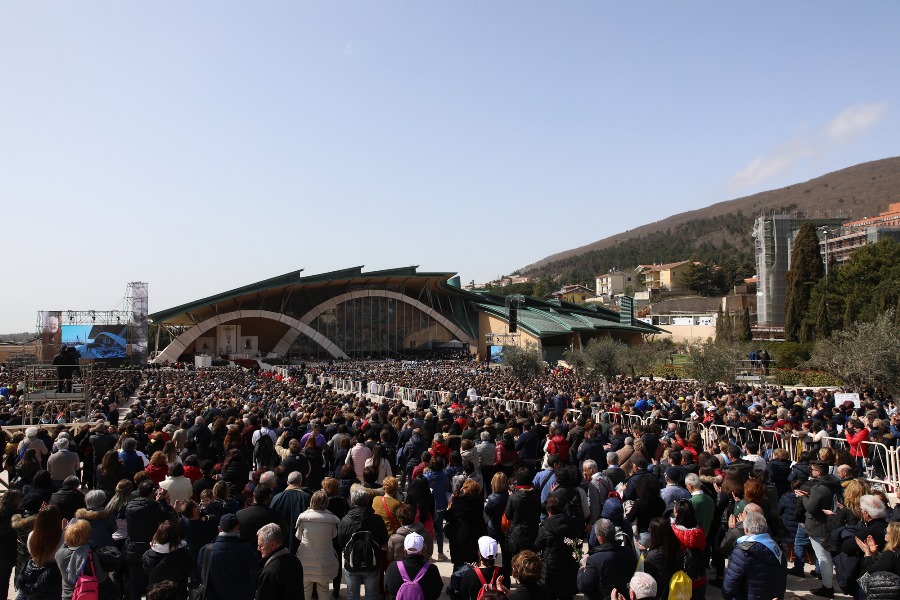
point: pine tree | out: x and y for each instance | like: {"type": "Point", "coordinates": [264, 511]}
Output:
{"type": "Point", "coordinates": [806, 270]}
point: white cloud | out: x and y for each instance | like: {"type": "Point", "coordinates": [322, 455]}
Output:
{"type": "Point", "coordinates": [855, 120]}
{"type": "Point", "coordinates": [843, 128]}
{"type": "Point", "coordinates": [348, 49]}
{"type": "Point", "coordinates": [764, 168]}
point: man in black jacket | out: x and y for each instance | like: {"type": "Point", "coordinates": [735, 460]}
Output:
{"type": "Point", "coordinates": [413, 563]}
{"type": "Point", "coordinates": [142, 517]}
{"type": "Point", "coordinates": [282, 573]}
{"type": "Point", "coordinates": [208, 468]}
{"type": "Point", "coordinates": [201, 436]}
{"type": "Point", "coordinates": [258, 514]}
{"type": "Point", "coordinates": [361, 517]}
{"type": "Point", "coordinates": [816, 501]}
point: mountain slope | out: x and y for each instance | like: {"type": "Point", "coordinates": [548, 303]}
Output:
{"type": "Point", "coordinates": [722, 230]}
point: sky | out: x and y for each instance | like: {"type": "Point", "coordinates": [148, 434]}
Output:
{"type": "Point", "coordinates": [201, 146]}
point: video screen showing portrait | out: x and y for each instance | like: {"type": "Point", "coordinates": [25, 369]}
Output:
{"type": "Point", "coordinates": [96, 341]}
{"type": "Point", "coordinates": [496, 354]}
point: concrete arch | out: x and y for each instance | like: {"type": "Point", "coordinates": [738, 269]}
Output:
{"type": "Point", "coordinates": [179, 344]}
{"type": "Point", "coordinates": [282, 346]}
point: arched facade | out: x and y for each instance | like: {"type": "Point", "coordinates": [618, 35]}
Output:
{"type": "Point", "coordinates": [307, 319]}
{"type": "Point", "coordinates": [394, 313]}
{"type": "Point", "coordinates": [183, 341]}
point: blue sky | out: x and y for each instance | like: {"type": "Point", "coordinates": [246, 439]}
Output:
{"type": "Point", "coordinates": [205, 145]}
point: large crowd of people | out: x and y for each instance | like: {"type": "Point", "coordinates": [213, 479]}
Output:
{"type": "Point", "coordinates": [234, 483]}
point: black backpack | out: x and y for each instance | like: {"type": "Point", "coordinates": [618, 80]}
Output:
{"type": "Point", "coordinates": [693, 563]}
{"type": "Point", "coordinates": [361, 553]}
{"type": "Point", "coordinates": [572, 508]}
{"type": "Point", "coordinates": [264, 452]}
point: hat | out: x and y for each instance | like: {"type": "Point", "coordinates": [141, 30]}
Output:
{"type": "Point", "coordinates": [31, 503]}
{"type": "Point", "coordinates": [31, 432]}
{"type": "Point", "coordinates": [487, 547]}
{"type": "Point", "coordinates": [413, 543]}
{"type": "Point", "coordinates": [228, 523]}
{"type": "Point", "coordinates": [673, 474]}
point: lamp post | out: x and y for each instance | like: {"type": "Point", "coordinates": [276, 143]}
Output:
{"type": "Point", "coordinates": [825, 231]}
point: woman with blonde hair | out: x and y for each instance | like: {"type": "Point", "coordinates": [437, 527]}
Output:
{"type": "Point", "coordinates": [889, 558]}
{"type": "Point", "coordinates": [77, 556]}
{"type": "Point", "coordinates": [855, 489]}
{"type": "Point", "coordinates": [171, 453]}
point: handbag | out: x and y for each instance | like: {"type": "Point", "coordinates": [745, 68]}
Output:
{"type": "Point", "coordinates": [504, 523]}
{"type": "Point", "coordinates": [87, 587]}
{"type": "Point", "coordinates": [198, 592]}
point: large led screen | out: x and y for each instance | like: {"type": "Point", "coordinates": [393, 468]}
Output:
{"type": "Point", "coordinates": [96, 341]}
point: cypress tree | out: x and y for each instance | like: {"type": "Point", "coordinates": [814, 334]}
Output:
{"type": "Point", "coordinates": [806, 270]}
{"type": "Point", "coordinates": [746, 333]}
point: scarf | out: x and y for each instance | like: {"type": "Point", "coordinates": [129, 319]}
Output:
{"type": "Point", "coordinates": [762, 538]}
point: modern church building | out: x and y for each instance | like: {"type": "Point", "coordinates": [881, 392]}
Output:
{"type": "Point", "coordinates": [381, 314]}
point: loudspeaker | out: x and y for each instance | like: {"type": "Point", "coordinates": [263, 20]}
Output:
{"type": "Point", "coordinates": [513, 319]}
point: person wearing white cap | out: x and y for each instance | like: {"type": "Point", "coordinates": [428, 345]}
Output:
{"type": "Point", "coordinates": [488, 574]}
{"type": "Point", "coordinates": [415, 568]}
{"type": "Point", "coordinates": [33, 441]}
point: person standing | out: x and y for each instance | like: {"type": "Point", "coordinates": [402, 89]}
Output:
{"type": "Point", "coordinates": [291, 503]}
{"type": "Point", "coordinates": [282, 572]}
{"type": "Point", "coordinates": [229, 559]}
{"type": "Point", "coordinates": [414, 567]}
{"type": "Point", "coordinates": [757, 569]}
{"type": "Point", "coordinates": [258, 514]}
{"type": "Point", "coordinates": [609, 565]}
{"type": "Point", "coordinates": [816, 501]}
{"type": "Point", "coordinates": [142, 517]}
{"type": "Point", "coordinates": [361, 519]}
{"type": "Point", "coordinates": [315, 531]}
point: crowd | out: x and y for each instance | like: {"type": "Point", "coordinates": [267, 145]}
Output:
{"type": "Point", "coordinates": [231, 483]}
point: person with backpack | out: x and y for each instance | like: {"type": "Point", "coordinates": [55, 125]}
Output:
{"type": "Point", "coordinates": [693, 543]}
{"type": "Point", "coordinates": [479, 579]}
{"type": "Point", "coordinates": [361, 534]}
{"type": "Point", "coordinates": [263, 440]}
{"type": "Point", "coordinates": [413, 577]}
{"type": "Point", "coordinates": [609, 565]}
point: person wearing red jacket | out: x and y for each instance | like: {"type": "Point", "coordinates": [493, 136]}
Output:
{"type": "Point", "coordinates": [558, 445]}
{"type": "Point", "coordinates": [857, 436]}
{"type": "Point", "coordinates": [691, 537]}
{"type": "Point", "coordinates": [439, 448]}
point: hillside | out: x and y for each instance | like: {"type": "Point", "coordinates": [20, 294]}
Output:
{"type": "Point", "coordinates": [722, 231]}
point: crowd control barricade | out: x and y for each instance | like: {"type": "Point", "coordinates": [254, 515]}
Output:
{"type": "Point", "coordinates": [881, 464]}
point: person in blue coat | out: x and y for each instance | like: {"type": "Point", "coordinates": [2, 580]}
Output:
{"type": "Point", "coordinates": [228, 559]}
{"type": "Point", "coordinates": [757, 568]}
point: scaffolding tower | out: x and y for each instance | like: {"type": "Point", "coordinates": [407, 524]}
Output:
{"type": "Point", "coordinates": [47, 400]}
